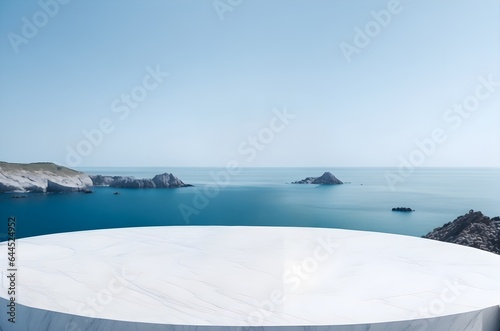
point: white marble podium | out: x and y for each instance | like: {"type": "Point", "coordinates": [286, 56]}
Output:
{"type": "Point", "coordinates": [249, 278]}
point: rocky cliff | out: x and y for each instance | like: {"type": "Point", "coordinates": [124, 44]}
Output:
{"type": "Point", "coordinates": [41, 177]}
{"type": "Point", "coordinates": [164, 180]}
{"type": "Point", "coordinates": [472, 229]}
{"type": "Point", "coordinates": [327, 179]}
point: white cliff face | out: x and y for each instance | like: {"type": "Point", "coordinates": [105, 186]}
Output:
{"type": "Point", "coordinates": [41, 177]}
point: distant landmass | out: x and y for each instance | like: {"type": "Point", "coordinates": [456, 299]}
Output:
{"type": "Point", "coordinates": [41, 177]}
{"type": "Point", "coordinates": [45, 177]}
{"type": "Point", "coordinates": [472, 229]}
{"type": "Point", "coordinates": [164, 180]}
{"type": "Point", "coordinates": [326, 179]}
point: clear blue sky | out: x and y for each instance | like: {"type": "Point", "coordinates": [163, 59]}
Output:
{"type": "Point", "coordinates": [226, 76]}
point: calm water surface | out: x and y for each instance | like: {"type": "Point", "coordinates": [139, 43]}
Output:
{"type": "Point", "coordinates": [263, 196]}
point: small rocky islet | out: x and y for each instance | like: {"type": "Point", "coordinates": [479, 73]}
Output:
{"type": "Point", "coordinates": [326, 179]}
{"type": "Point", "coordinates": [403, 209]}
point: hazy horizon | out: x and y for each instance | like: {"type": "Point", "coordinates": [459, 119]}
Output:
{"type": "Point", "coordinates": [327, 167]}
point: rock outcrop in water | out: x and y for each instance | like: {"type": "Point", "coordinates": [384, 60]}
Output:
{"type": "Point", "coordinates": [41, 177]}
{"type": "Point", "coordinates": [165, 180]}
{"type": "Point", "coordinates": [472, 229]}
{"type": "Point", "coordinates": [403, 209]}
{"type": "Point", "coordinates": [326, 179]}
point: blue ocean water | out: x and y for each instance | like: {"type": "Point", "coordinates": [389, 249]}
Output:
{"type": "Point", "coordinates": [264, 196]}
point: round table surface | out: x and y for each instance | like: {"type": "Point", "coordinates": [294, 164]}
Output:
{"type": "Point", "coordinates": [266, 276]}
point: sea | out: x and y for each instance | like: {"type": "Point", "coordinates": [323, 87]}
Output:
{"type": "Point", "coordinates": [264, 197]}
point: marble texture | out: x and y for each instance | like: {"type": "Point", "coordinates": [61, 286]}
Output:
{"type": "Point", "coordinates": [262, 278]}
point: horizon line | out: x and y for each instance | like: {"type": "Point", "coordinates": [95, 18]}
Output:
{"type": "Point", "coordinates": [253, 167]}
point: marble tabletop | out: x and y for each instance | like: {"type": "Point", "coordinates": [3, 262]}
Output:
{"type": "Point", "coordinates": [266, 276]}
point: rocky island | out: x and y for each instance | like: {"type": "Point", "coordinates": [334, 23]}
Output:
{"type": "Point", "coordinates": [472, 229]}
{"type": "Point", "coordinates": [326, 179]}
{"type": "Point", "coordinates": [41, 177]}
{"type": "Point", "coordinates": [165, 180]}
{"type": "Point", "coordinates": [403, 209]}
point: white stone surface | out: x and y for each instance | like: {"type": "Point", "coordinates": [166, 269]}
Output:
{"type": "Point", "coordinates": [257, 276]}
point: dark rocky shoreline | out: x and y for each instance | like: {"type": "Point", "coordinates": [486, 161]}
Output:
{"type": "Point", "coordinates": [473, 230]}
